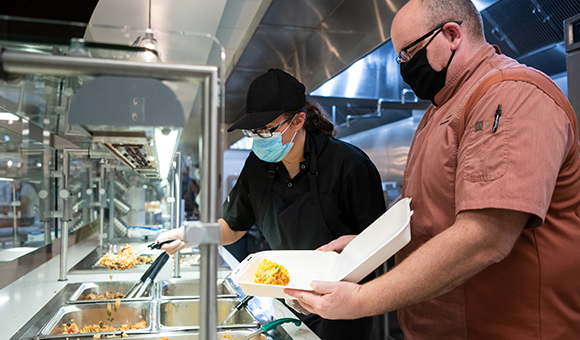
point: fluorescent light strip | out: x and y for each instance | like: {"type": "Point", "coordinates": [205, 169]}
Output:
{"type": "Point", "coordinates": [8, 116]}
{"type": "Point", "coordinates": [165, 149]}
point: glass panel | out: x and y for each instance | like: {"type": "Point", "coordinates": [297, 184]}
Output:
{"type": "Point", "coordinates": [24, 166]}
{"type": "Point", "coordinates": [27, 162]}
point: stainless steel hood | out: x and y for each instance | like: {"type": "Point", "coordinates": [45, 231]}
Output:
{"type": "Point", "coordinates": [313, 40]}
{"type": "Point", "coordinates": [317, 40]}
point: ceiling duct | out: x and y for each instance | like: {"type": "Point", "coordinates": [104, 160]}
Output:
{"type": "Point", "coordinates": [130, 116]}
{"type": "Point", "coordinates": [530, 31]}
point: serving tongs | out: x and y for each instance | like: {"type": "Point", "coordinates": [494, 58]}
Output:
{"type": "Point", "coordinates": [158, 245]}
{"type": "Point", "coordinates": [272, 325]}
{"type": "Point", "coordinates": [145, 281]}
{"type": "Point", "coordinates": [240, 304]}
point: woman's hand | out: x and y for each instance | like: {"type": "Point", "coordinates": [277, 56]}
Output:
{"type": "Point", "coordinates": [338, 244]}
{"type": "Point", "coordinates": [175, 246]}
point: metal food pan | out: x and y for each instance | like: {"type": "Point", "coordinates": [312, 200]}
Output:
{"type": "Point", "coordinates": [94, 313]}
{"type": "Point", "coordinates": [190, 289]}
{"type": "Point", "coordinates": [194, 335]}
{"type": "Point", "coordinates": [184, 315]}
{"type": "Point", "coordinates": [144, 260]}
{"type": "Point", "coordinates": [103, 287]}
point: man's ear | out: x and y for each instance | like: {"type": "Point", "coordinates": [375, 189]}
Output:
{"type": "Point", "coordinates": [453, 34]}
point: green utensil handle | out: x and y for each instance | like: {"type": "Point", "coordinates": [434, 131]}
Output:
{"type": "Point", "coordinates": [276, 323]}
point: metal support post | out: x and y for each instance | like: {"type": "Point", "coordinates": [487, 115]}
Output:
{"type": "Point", "coordinates": [85, 194]}
{"type": "Point", "coordinates": [177, 210]}
{"type": "Point", "coordinates": [64, 195]}
{"type": "Point", "coordinates": [211, 153]}
{"type": "Point", "coordinates": [111, 233]}
{"type": "Point", "coordinates": [102, 205]}
{"type": "Point", "coordinates": [208, 236]}
{"type": "Point", "coordinates": [15, 203]}
{"type": "Point", "coordinates": [45, 198]}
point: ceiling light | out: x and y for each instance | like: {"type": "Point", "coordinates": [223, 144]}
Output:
{"type": "Point", "coordinates": [149, 43]}
{"type": "Point", "coordinates": [165, 144]}
{"type": "Point", "coordinates": [8, 116]}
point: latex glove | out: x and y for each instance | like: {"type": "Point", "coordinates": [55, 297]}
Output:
{"type": "Point", "coordinates": [294, 304]}
{"type": "Point", "coordinates": [175, 246]}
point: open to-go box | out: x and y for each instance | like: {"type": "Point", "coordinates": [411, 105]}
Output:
{"type": "Point", "coordinates": [366, 252]}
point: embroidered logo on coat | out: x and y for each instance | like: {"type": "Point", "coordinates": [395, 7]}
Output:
{"type": "Point", "coordinates": [479, 125]}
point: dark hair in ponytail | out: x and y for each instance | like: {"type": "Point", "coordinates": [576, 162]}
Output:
{"type": "Point", "coordinates": [316, 120]}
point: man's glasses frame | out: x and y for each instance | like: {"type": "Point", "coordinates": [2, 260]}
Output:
{"type": "Point", "coordinates": [264, 132]}
{"type": "Point", "coordinates": [404, 56]}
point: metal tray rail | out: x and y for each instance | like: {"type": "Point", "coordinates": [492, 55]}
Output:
{"type": "Point", "coordinates": [190, 288]}
{"type": "Point", "coordinates": [107, 286]}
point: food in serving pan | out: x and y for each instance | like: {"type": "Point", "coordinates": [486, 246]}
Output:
{"type": "Point", "coordinates": [106, 296]}
{"type": "Point", "coordinates": [145, 259]}
{"type": "Point", "coordinates": [73, 328]}
{"type": "Point", "coordinates": [125, 259]}
{"type": "Point", "coordinates": [272, 273]}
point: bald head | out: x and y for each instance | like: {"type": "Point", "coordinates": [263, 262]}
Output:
{"type": "Point", "coordinates": [420, 16]}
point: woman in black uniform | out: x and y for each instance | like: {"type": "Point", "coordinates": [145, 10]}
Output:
{"type": "Point", "coordinates": [300, 186]}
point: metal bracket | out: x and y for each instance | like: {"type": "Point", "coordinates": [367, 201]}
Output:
{"type": "Point", "coordinates": [53, 214]}
{"type": "Point", "coordinates": [56, 174]}
{"type": "Point", "coordinates": [202, 233]}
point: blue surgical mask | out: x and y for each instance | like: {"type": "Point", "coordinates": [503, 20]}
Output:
{"type": "Point", "coordinates": [271, 149]}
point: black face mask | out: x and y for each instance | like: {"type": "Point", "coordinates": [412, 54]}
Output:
{"type": "Point", "coordinates": [423, 79]}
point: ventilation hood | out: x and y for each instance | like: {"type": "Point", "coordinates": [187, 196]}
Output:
{"type": "Point", "coordinates": [341, 51]}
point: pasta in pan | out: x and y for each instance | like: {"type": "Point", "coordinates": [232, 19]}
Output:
{"type": "Point", "coordinates": [73, 328]}
{"type": "Point", "coordinates": [125, 259]}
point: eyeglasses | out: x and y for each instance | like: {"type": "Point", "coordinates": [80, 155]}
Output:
{"type": "Point", "coordinates": [404, 56]}
{"type": "Point", "coordinates": [263, 132]}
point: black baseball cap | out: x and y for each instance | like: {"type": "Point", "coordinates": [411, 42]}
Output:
{"type": "Point", "coordinates": [270, 95]}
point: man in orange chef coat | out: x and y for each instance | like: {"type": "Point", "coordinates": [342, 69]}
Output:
{"type": "Point", "coordinates": [495, 183]}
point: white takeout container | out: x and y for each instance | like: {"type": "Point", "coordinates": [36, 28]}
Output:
{"type": "Point", "coordinates": [366, 252]}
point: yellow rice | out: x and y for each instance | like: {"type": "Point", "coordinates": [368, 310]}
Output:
{"type": "Point", "coordinates": [272, 273]}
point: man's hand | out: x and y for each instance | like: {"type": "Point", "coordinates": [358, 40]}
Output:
{"type": "Point", "coordinates": [338, 244]}
{"type": "Point", "coordinates": [331, 300]}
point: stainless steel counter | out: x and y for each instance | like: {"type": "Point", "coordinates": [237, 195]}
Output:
{"type": "Point", "coordinates": [28, 304]}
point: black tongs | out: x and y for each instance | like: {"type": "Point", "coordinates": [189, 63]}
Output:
{"type": "Point", "coordinates": [158, 245]}
{"type": "Point", "coordinates": [141, 286]}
